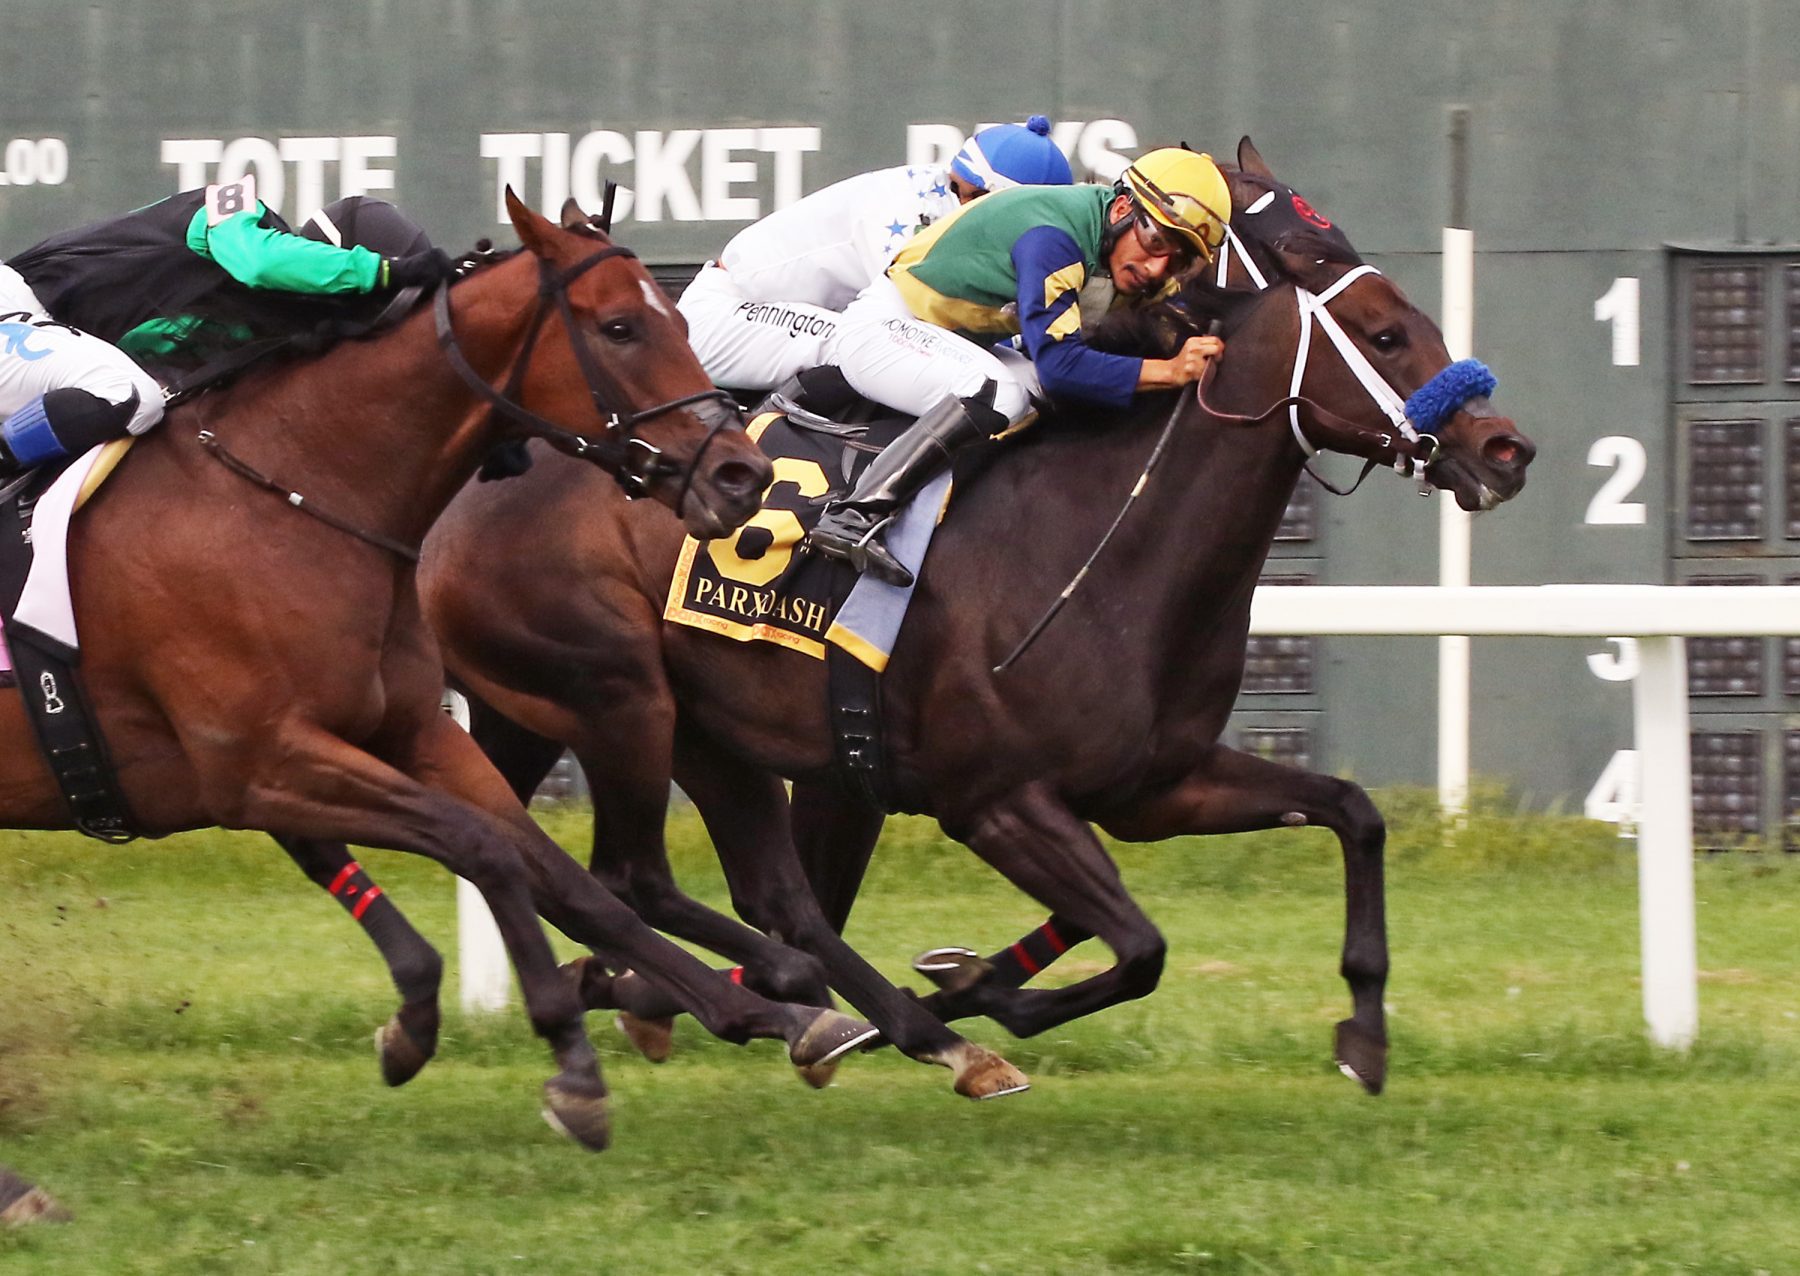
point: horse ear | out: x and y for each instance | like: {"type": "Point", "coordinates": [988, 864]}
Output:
{"type": "Point", "coordinates": [1307, 269]}
{"type": "Point", "coordinates": [1250, 159]}
{"type": "Point", "coordinates": [1243, 193]}
{"type": "Point", "coordinates": [534, 231]}
{"type": "Point", "coordinates": [572, 216]}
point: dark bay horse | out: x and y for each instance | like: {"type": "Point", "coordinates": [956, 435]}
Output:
{"type": "Point", "coordinates": [1015, 764]}
{"type": "Point", "coordinates": [253, 667]}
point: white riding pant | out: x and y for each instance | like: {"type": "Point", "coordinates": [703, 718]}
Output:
{"type": "Point", "coordinates": [37, 355]}
{"type": "Point", "coordinates": [752, 345]}
{"type": "Point", "coordinates": [892, 357]}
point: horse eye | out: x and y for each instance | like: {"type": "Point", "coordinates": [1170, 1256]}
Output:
{"type": "Point", "coordinates": [1388, 339]}
{"type": "Point", "coordinates": [618, 331]}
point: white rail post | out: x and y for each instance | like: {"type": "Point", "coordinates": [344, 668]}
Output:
{"type": "Point", "coordinates": [1454, 656]}
{"type": "Point", "coordinates": [1666, 844]}
{"type": "Point", "coordinates": [485, 980]}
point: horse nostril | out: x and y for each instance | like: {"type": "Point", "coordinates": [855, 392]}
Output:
{"type": "Point", "coordinates": [740, 479]}
{"type": "Point", "coordinates": [1508, 451]}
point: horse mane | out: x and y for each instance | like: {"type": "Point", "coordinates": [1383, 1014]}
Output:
{"type": "Point", "coordinates": [1153, 330]}
{"type": "Point", "coordinates": [1157, 329]}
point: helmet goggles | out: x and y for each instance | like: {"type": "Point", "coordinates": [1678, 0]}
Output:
{"type": "Point", "coordinates": [1195, 226]}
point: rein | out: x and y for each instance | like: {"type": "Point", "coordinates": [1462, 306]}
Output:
{"type": "Point", "coordinates": [1156, 455]}
{"type": "Point", "coordinates": [1412, 449]}
{"type": "Point", "coordinates": [210, 441]}
{"type": "Point", "coordinates": [1404, 443]}
{"type": "Point", "coordinates": [633, 462]}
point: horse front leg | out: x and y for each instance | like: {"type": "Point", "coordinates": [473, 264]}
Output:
{"type": "Point", "coordinates": [747, 814]}
{"type": "Point", "coordinates": [1234, 792]}
{"type": "Point", "coordinates": [406, 1042]}
{"type": "Point", "coordinates": [577, 904]}
{"type": "Point", "coordinates": [522, 756]}
{"type": "Point", "coordinates": [630, 758]}
{"type": "Point", "coordinates": [835, 835]}
{"type": "Point", "coordinates": [1038, 844]}
{"type": "Point", "coordinates": [317, 788]}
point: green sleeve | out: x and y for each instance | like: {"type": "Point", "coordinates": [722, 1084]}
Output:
{"type": "Point", "coordinates": [260, 256]}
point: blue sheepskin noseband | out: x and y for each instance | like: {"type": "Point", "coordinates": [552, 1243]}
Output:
{"type": "Point", "coordinates": [1435, 402]}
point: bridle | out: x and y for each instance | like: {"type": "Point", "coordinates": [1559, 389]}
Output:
{"type": "Point", "coordinates": [634, 463]}
{"type": "Point", "coordinates": [1414, 446]}
{"type": "Point", "coordinates": [1413, 442]}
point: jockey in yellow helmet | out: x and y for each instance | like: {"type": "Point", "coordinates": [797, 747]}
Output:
{"type": "Point", "coordinates": [1035, 262]}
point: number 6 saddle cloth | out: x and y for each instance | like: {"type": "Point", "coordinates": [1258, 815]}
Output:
{"type": "Point", "coordinates": [758, 585]}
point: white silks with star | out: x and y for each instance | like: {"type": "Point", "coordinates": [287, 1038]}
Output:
{"type": "Point", "coordinates": [768, 306]}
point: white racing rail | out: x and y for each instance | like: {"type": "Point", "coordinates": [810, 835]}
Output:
{"type": "Point", "coordinates": [1659, 617]}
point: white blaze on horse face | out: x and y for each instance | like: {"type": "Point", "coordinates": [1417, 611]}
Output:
{"type": "Point", "coordinates": [654, 299]}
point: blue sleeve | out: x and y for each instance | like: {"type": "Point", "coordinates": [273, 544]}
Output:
{"type": "Point", "coordinates": [1051, 272]}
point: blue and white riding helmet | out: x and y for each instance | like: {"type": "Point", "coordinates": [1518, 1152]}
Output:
{"type": "Point", "coordinates": [1008, 155]}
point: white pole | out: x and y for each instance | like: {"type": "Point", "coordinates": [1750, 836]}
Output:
{"type": "Point", "coordinates": [1666, 844]}
{"type": "Point", "coordinates": [486, 975]}
{"type": "Point", "coordinates": [1454, 540]}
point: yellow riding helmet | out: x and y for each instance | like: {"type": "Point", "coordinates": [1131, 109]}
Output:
{"type": "Point", "coordinates": [1183, 190]}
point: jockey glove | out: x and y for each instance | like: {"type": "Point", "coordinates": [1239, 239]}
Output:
{"type": "Point", "coordinates": [426, 269]}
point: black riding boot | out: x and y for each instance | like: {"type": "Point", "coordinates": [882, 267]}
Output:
{"type": "Point", "coordinates": [851, 528]}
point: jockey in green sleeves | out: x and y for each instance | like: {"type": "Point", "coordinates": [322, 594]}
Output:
{"type": "Point", "coordinates": [179, 280]}
{"type": "Point", "coordinates": [1037, 262]}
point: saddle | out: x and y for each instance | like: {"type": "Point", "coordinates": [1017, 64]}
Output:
{"type": "Point", "coordinates": [757, 585]}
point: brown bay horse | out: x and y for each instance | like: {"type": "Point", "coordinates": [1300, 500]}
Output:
{"type": "Point", "coordinates": [253, 667]}
{"type": "Point", "coordinates": [1016, 764]}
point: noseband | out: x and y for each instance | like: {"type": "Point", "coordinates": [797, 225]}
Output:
{"type": "Point", "coordinates": [634, 462]}
{"type": "Point", "coordinates": [1414, 443]}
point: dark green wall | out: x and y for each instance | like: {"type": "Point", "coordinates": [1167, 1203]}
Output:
{"type": "Point", "coordinates": [1599, 132]}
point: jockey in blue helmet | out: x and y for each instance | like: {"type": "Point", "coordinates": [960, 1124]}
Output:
{"type": "Point", "coordinates": [1005, 155]}
{"type": "Point", "coordinates": [768, 307]}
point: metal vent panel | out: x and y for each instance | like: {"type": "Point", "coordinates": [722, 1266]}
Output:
{"type": "Point", "coordinates": [1725, 481]}
{"type": "Point", "coordinates": [1725, 315]}
{"type": "Point", "coordinates": [1791, 275]}
{"type": "Point", "coordinates": [1790, 779]}
{"type": "Point", "coordinates": [1280, 665]}
{"type": "Point", "coordinates": [1299, 522]}
{"type": "Point", "coordinates": [1291, 746]}
{"type": "Point", "coordinates": [1728, 770]}
{"type": "Point", "coordinates": [1725, 666]}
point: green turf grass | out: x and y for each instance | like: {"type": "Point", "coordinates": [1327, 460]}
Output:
{"type": "Point", "coordinates": [185, 1061]}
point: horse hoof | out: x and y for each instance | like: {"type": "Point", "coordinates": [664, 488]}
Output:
{"type": "Point", "coordinates": [578, 1110]}
{"type": "Point", "coordinates": [401, 1056]}
{"type": "Point", "coordinates": [653, 1038]}
{"type": "Point", "coordinates": [593, 985]}
{"type": "Point", "coordinates": [953, 968]}
{"type": "Point", "coordinates": [1362, 1056]}
{"type": "Point", "coordinates": [829, 1036]}
{"type": "Point", "coordinates": [22, 1203]}
{"type": "Point", "coordinates": [988, 1076]}
{"type": "Point", "coordinates": [819, 1075]}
